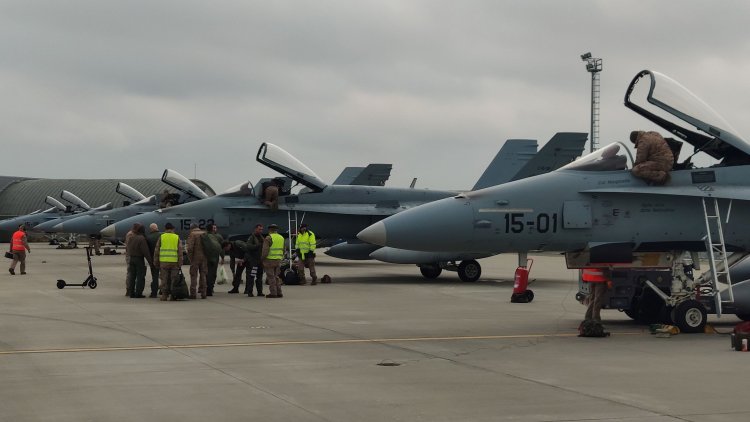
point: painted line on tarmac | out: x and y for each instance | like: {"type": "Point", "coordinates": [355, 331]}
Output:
{"type": "Point", "coordinates": [290, 343]}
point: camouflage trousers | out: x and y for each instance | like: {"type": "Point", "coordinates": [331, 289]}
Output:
{"type": "Point", "coordinates": [272, 269]}
{"type": "Point", "coordinates": [596, 300]}
{"type": "Point", "coordinates": [308, 262]}
{"type": "Point", "coordinates": [652, 171]}
{"type": "Point", "coordinates": [198, 272]}
{"type": "Point", "coordinates": [168, 275]}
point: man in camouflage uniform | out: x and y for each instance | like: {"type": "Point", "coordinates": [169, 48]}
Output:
{"type": "Point", "coordinates": [654, 159]}
{"type": "Point", "coordinates": [198, 264]}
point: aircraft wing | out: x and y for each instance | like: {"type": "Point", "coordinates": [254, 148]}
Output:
{"type": "Point", "coordinates": [699, 191]}
{"type": "Point", "coordinates": [345, 209]}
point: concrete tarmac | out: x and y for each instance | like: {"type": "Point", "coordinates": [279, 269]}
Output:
{"type": "Point", "coordinates": [379, 344]}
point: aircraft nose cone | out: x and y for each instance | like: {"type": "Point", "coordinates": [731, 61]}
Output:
{"type": "Point", "coordinates": [374, 234]}
{"type": "Point", "coordinates": [109, 231]}
{"type": "Point", "coordinates": [444, 225]}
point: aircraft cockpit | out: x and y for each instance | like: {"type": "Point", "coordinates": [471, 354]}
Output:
{"type": "Point", "coordinates": [189, 189]}
{"type": "Point", "coordinates": [278, 159]}
{"type": "Point", "coordinates": [611, 157]}
{"type": "Point", "coordinates": [243, 189]}
{"type": "Point", "coordinates": [670, 105]}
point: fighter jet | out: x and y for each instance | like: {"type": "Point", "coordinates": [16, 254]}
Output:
{"type": "Point", "coordinates": [82, 207]}
{"type": "Point", "coordinates": [37, 217]}
{"type": "Point", "coordinates": [597, 212]}
{"type": "Point", "coordinates": [93, 223]}
{"type": "Point", "coordinates": [517, 159]}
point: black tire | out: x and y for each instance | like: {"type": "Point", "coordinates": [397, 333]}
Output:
{"type": "Point", "coordinates": [690, 316]}
{"type": "Point", "coordinates": [60, 284]}
{"type": "Point", "coordinates": [54, 242]}
{"type": "Point", "coordinates": [430, 271]}
{"type": "Point", "coordinates": [73, 244]}
{"type": "Point", "coordinates": [649, 310]}
{"type": "Point", "coordinates": [92, 283]}
{"type": "Point", "coordinates": [529, 296]}
{"type": "Point", "coordinates": [744, 317]}
{"type": "Point", "coordinates": [469, 271]}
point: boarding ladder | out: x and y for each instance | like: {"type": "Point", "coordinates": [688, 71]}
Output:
{"type": "Point", "coordinates": [716, 249]}
{"type": "Point", "coordinates": [293, 224]}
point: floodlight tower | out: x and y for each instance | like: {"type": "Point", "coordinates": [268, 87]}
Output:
{"type": "Point", "coordinates": [594, 66]}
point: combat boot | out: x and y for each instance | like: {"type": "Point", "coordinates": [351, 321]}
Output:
{"type": "Point", "coordinates": [163, 298]}
{"type": "Point", "coordinates": [234, 290]}
{"type": "Point", "coordinates": [314, 280]}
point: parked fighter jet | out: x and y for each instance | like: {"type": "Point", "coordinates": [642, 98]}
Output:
{"type": "Point", "coordinates": [597, 212]}
{"type": "Point", "coordinates": [37, 217]}
{"type": "Point", "coordinates": [82, 207]}
{"type": "Point", "coordinates": [335, 211]}
{"type": "Point", "coordinates": [506, 166]}
{"type": "Point", "coordinates": [93, 223]}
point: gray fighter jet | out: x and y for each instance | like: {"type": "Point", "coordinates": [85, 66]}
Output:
{"type": "Point", "coordinates": [80, 204]}
{"type": "Point", "coordinates": [335, 212]}
{"type": "Point", "coordinates": [37, 217]}
{"type": "Point", "coordinates": [93, 223]}
{"type": "Point", "coordinates": [517, 159]}
{"type": "Point", "coordinates": [597, 212]}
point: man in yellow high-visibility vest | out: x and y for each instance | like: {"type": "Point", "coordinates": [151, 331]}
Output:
{"type": "Point", "coordinates": [273, 253]}
{"type": "Point", "coordinates": [168, 257]}
{"type": "Point", "coordinates": [305, 245]}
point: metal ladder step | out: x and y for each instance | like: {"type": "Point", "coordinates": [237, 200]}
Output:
{"type": "Point", "coordinates": [717, 251]}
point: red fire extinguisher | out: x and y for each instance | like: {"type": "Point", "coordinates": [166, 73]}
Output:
{"type": "Point", "coordinates": [521, 293]}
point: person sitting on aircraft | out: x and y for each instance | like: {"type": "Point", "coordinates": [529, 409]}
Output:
{"type": "Point", "coordinates": [271, 195]}
{"type": "Point", "coordinates": [166, 199]}
{"type": "Point", "coordinates": [654, 159]}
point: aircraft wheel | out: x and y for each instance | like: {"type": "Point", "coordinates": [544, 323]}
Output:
{"type": "Point", "coordinates": [54, 242]}
{"type": "Point", "coordinates": [73, 244]}
{"type": "Point", "coordinates": [430, 271]}
{"type": "Point", "coordinates": [60, 284]}
{"type": "Point", "coordinates": [469, 270]}
{"type": "Point", "coordinates": [744, 317]}
{"type": "Point", "coordinates": [92, 283]}
{"type": "Point", "coordinates": [690, 316]}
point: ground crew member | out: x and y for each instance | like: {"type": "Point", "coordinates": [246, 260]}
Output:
{"type": "Point", "coordinates": [198, 264]}
{"type": "Point", "coordinates": [137, 250]}
{"type": "Point", "coordinates": [273, 252]}
{"type": "Point", "coordinates": [654, 159]}
{"type": "Point", "coordinates": [128, 287]}
{"type": "Point", "coordinates": [253, 263]}
{"type": "Point", "coordinates": [151, 238]}
{"type": "Point", "coordinates": [168, 257]}
{"type": "Point", "coordinates": [212, 242]}
{"type": "Point", "coordinates": [598, 280]}
{"type": "Point", "coordinates": [19, 244]}
{"type": "Point", "coordinates": [305, 245]}
{"type": "Point", "coordinates": [236, 250]}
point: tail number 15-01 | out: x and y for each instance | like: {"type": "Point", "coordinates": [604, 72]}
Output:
{"type": "Point", "coordinates": [542, 223]}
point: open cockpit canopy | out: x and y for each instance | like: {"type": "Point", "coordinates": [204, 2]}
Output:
{"type": "Point", "coordinates": [278, 159]}
{"type": "Point", "coordinates": [129, 192]}
{"type": "Point", "coordinates": [670, 105]}
{"type": "Point", "coordinates": [55, 203]}
{"type": "Point", "coordinates": [183, 184]}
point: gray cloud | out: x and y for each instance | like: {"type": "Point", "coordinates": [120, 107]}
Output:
{"type": "Point", "coordinates": [126, 89]}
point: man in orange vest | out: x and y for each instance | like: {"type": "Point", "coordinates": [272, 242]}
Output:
{"type": "Point", "coordinates": [598, 280]}
{"type": "Point", "coordinates": [18, 247]}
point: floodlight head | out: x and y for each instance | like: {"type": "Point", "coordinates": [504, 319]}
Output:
{"type": "Point", "coordinates": [586, 56]}
{"type": "Point", "coordinates": [589, 66]}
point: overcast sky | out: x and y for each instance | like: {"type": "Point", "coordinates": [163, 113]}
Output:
{"type": "Point", "coordinates": [125, 89]}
